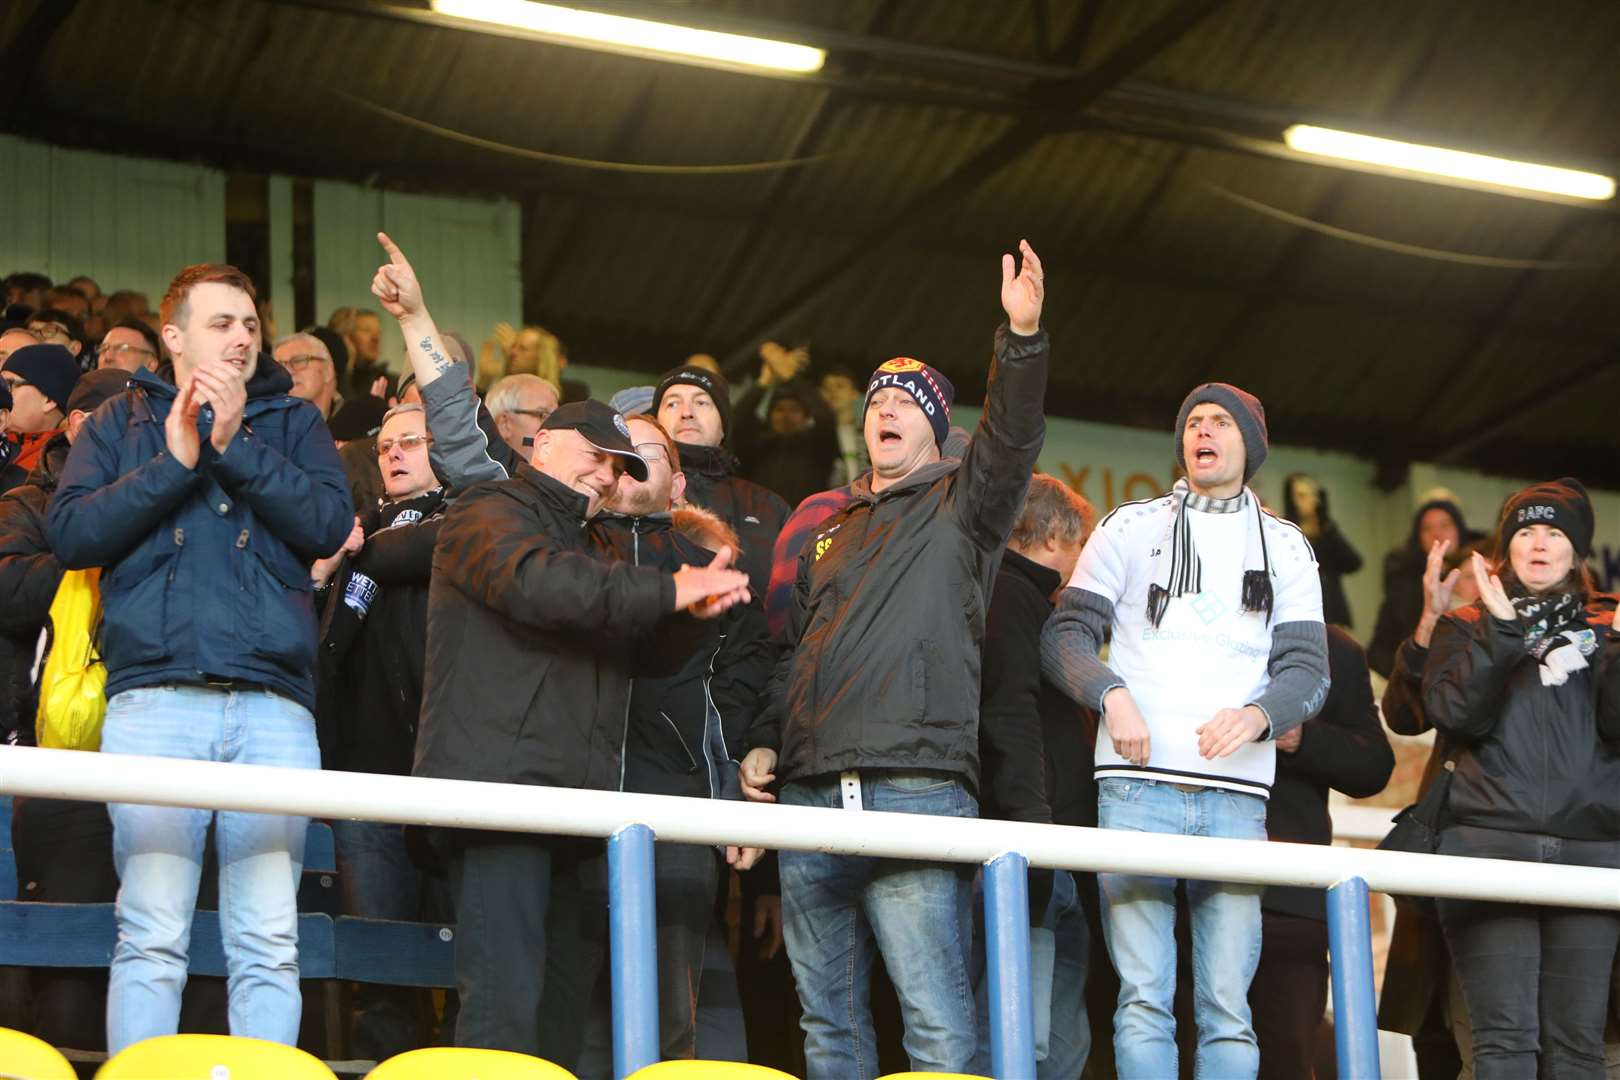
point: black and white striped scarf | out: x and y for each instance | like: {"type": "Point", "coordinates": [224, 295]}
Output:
{"type": "Point", "coordinates": [1177, 570]}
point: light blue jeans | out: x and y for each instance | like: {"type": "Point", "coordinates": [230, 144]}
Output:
{"type": "Point", "coordinates": [1139, 923]}
{"type": "Point", "coordinates": [918, 913]}
{"type": "Point", "coordinates": [158, 852]}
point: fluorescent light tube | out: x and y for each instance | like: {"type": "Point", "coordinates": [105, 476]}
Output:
{"type": "Point", "coordinates": [1436, 161]}
{"type": "Point", "coordinates": [641, 37]}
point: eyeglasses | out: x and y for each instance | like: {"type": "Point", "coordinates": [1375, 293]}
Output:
{"type": "Point", "coordinates": [538, 414]}
{"type": "Point", "coordinates": [652, 451]}
{"type": "Point", "coordinates": [14, 383]}
{"type": "Point", "coordinates": [47, 331]}
{"type": "Point", "coordinates": [119, 350]}
{"type": "Point", "coordinates": [298, 363]}
{"type": "Point", "coordinates": [407, 443]}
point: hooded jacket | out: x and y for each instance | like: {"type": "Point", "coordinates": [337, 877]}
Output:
{"type": "Point", "coordinates": [205, 570]}
{"type": "Point", "coordinates": [29, 575]}
{"type": "Point", "coordinates": [757, 514]}
{"type": "Point", "coordinates": [1529, 758]}
{"type": "Point", "coordinates": [887, 621]}
{"type": "Point", "coordinates": [532, 637]}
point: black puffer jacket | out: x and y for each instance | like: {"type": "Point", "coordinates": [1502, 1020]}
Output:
{"type": "Point", "coordinates": [1530, 757]}
{"type": "Point", "coordinates": [685, 732]}
{"type": "Point", "coordinates": [887, 621]}
{"type": "Point", "coordinates": [374, 641]}
{"type": "Point", "coordinates": [757, 514]}
{"type": "Point", "coordinates": [29, 575]}
{"type": "Point", "coordinates": [531, 640]}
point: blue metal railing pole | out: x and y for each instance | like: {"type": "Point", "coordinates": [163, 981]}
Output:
{"type": "Point", "coordinates": [1006, 926]}
{"type": "Point", "coordinates": [1355, 1009]}
{"type": "Point", "coordinates": [632, 926]}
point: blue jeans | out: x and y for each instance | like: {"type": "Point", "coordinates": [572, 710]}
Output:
{"type": "Point", "coordinates": [158, 852]}
{"type": "Point", "coordinates": [834, 906]}
{"type": "Point", "coordinates": [1139, 920]}
{"type": "Point", "coordinates": [1063, 1054]}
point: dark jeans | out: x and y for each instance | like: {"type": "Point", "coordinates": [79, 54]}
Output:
{"type": "Point", "coordinates": [531, 914]}
{"type": "Point", "coordinates": [1536, 979]}
{"type": "Point", "coordinates": [379, 881]}
{"type": "Point", "coordinates": [1289, 994]}
{"type": "Point", "coordinates": [685, 877]}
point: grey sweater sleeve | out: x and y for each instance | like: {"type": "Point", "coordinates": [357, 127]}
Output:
{"type": "Point", "coordinates": [1299, 675]}
{"type": "Point", "coordinates": [1071, 647]}
{"type": "Point", "coordinates": [460, 451]}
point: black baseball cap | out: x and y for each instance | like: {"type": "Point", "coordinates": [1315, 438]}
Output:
{"type": "Point", "coordinates": [603, 428]}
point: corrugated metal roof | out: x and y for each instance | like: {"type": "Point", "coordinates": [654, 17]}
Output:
{"type": "Point", "coordinates": [1156, 278]}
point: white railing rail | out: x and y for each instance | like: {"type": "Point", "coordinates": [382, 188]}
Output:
{"type": "Point", "coordinates": [521, 808]}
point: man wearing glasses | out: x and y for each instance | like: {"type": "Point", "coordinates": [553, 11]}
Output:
{"type": "Point", "coordinates": [56, 327]}
{"type": "Point", "coordinates": [314, 376]}
{"type": "Point", "coordinates": [129, 346]}
{"type": "Point", "coordinates": [519, 404]}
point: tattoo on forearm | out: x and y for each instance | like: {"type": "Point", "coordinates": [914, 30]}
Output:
{"type": "Point", "coordinates": [441, 363]}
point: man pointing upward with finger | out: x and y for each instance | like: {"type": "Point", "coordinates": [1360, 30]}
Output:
{"type": "Point", "coordinates": [1218, 649]}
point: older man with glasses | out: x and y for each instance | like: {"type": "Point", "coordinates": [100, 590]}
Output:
{"type": "Point", "coordinates": [519, 404]}
{"type": "Point", "coordinates": [314, 376]}
{"type": "Point", "coordinates": [129, 346]}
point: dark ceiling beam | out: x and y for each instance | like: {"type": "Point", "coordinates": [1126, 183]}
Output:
{"type": "Point", "coordinates": [816, 123]}
{"type": "Point", "coordinates": [1525, 406]}
{"type": "Point", "coordinates": [21, 58]}
{"type": "Point", "coordinates": [1076, 92]}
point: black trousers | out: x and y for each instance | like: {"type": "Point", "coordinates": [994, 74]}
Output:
{"type": "Point", "coordinates": [1289, 994]}
{"type": "Point", "coordinates": [531, 929]}
{"type": "Point", "coordinates": [1536, 979]}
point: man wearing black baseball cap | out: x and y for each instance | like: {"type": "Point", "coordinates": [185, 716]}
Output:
{"type": "Point", "coordinates": [532, 636]}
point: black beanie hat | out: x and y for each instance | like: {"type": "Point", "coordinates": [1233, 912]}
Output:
{"type": "Point", "coordinates": [5, 396]}
{"type": "Point", "coordinates": [1245, 409]}
{"type": "Point", "coordinates": [933, 391]}
{"type": "Point", "coordinates": [1562, 504]}
{"type": "Point", "coordinates": [709, 382]}
{"type": "Point", "coordinates": [50, 369]}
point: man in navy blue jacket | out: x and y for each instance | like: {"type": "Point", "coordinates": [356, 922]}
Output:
{"type": "Point", "coordinates": [205, 503]}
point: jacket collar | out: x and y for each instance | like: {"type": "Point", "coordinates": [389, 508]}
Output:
{"type": "Point", "coordinates": [921, 476]}
{"type": "Point", "coordinates": [715, 461]}
{"type": "Point", "coordinates": [1044, 578]}
{"type": "Point", "coordinates": [52, 456]}
{"type": "Point", "coordinates": [641, 523]}
{"type": "Point", "coordinates": [554, 492]}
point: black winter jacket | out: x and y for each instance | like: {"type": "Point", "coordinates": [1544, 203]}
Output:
{"type": "Point", "coordinates": [206, 570]}
{"type": "Point", "coordinates": [29, 575]}
{"type": "Point", "coordinates": [887, 621]}
{"type": "Point", "coordinates": [757, 514]}
{"type": "Point", "coordinates": [1342, 748]}
{"type": "Point", "coordinates": [530, 640]}
{"type": "Point", "coordinates": [1529, 757]}
{"type": "Point", "coordinates": [374, 641]}
{"type": "Point", "coordinates": [685, 732]}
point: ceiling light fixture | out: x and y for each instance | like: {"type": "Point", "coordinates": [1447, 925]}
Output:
{"type": "Point", "coordinates": [637, 37]}
{"type": "Point", "coordinates": [1438, 163]}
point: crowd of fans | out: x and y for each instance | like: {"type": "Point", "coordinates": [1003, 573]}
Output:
{"type": "Point", "coordinates": [817, 593]}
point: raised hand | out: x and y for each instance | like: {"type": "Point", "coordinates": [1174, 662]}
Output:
{"type": "Point", "coordinates": [180, 427]}
{"type": "Point", "coordinates": [1491, 593]}
{"type": "Point", "coordinates": [1022, 294]}
{"type": "Point", "coordinates": [395, 285]}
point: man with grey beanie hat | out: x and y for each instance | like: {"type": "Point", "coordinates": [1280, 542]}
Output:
{"type": "Point", "coordinates": [1219, 653]}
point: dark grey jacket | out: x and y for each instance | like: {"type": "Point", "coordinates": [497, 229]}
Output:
{"type": "Point", "coordinates": [887, 621]}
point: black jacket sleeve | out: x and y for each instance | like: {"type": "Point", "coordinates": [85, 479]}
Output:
{"type": "Point", "coordinates": [1344, 747]}
{"type": "Point", "coordinates": [1403, 695]}
{"type": "Point", "coordinates": [29, 573]}
{"type": "Point", "coordinates": [1010, 742]}
{"type": "Point", "coordinates": [741, 669]}
{"type": "Point", "coordinates": [400, 554]}
{"type": "Point", "coordinates": [1608, 692]}
{"type": "Point", "coordinates": [994, 476]}
{"type": "Point", "coordinates": [1470, 658]}
{"type": "Point", "coordinates": [1335, 554]}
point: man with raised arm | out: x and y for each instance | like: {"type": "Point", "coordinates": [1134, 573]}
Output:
{"type": "Point", "coordinates": [1218, 649]}
{"type": "Point", "coordinates": [875, 703]}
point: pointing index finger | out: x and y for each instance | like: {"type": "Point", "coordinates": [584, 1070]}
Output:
{"type": "Point", "coordinates": [395, 256]}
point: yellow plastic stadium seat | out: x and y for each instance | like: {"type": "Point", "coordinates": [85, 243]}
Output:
{"type": "Point", "coordinates": [212, 1057]}
{"type": "Point", "coordinates": [466, 1063]}
{"type": "Point", "coordinates": [28, 1058]}
{"type": "Point", "coordinates": [707, 1070]}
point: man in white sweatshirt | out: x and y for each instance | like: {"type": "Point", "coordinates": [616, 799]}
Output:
{"type": "Point", "coordinates": [1218, 650]}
